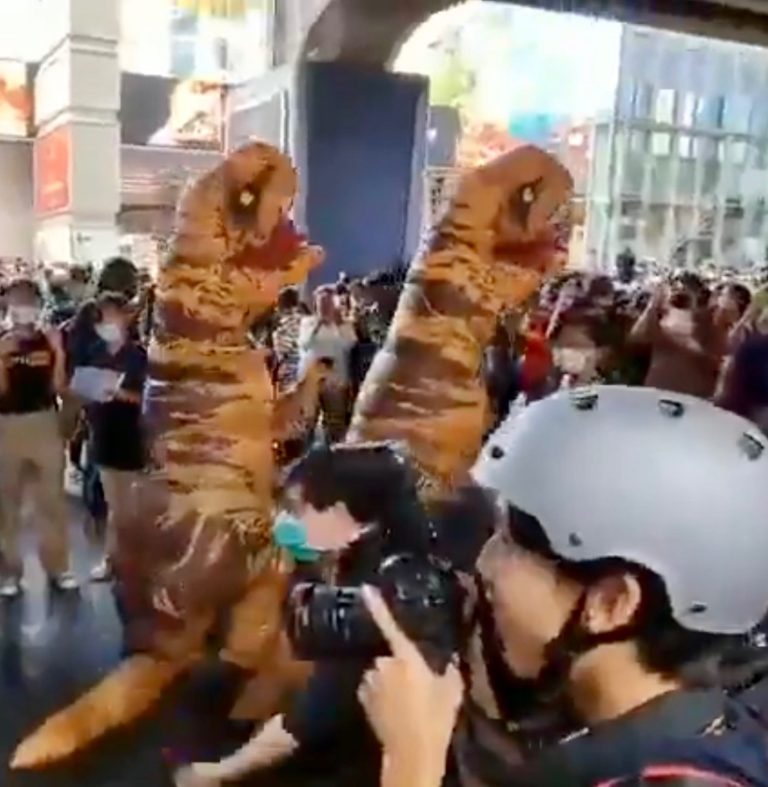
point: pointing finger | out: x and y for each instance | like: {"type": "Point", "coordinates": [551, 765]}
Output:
{"type": "Point", "coordinates": [399, 643]}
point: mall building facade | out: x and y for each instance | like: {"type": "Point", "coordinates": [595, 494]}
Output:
{"type": "Point", "coordinates": [108, 109]}
{"type": "Point", "coordinates": [679, 174]}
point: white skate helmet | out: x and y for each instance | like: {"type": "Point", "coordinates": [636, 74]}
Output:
{"type": "Point", "coordinates": [666, 481]}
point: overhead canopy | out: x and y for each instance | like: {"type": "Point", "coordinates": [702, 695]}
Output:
{"type": "Point", "coordinates": [371, 31]}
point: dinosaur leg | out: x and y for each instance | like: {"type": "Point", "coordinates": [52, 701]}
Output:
{"type": "Point", "coordinates": [257, 643]}
{"type": "Point", "coordinates": [121, 698]}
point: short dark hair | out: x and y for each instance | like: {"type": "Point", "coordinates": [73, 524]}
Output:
{"type": "Point", "coordinates": [115, 300]}
{"type": "Point", "coordinates": [741, 294]}
{"type": "Point", "coordinates": [119, 275]}
{"type": "Point", "coordinates": [377, 485]}
{"type": "Point", "coordinates": [463, 521]}
{"type": "Point", "coordinates": [80, 273]}
{"type": "Point", "coordinates": [288, 299]}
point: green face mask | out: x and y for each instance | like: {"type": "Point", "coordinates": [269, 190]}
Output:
{"type": "Point", "coordinates": [290, 533]}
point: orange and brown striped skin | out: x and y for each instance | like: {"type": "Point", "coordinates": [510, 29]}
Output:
{"type": "Point", "coordinates": [296, 409]}
{"type": "Point", "coordinates": [203, 516]}
{"type": "Point", "coordinates": [505, 231]}
{"type": "Point", "coordinates": [197, 535]}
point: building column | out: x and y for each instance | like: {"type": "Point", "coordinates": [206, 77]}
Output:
{"type": "Point", "coordinates": [77, 146]}
{"type": "Point", "coordinates": [359, 138]}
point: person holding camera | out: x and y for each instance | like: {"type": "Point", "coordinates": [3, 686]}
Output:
{"type": "Point", "coordinates": [344, 509]}
{"type": "Point", "coordinates": [634, 522]}
{"type": "Point", "coordinates": [687, 345]}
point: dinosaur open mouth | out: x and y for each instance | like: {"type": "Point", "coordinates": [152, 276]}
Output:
{"type": "Point", "coordinates": [539, 251]}
{"type": "Point", "coordinates": [281, 249]}
{"type": "Point", "coordinates": [537, 254]}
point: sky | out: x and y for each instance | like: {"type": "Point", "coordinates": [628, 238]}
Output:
{"type": "Point", "coordinates": [527, 61]}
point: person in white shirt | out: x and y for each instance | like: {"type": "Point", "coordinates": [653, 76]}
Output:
{"type": "Point", "coordinates": [326, 335]}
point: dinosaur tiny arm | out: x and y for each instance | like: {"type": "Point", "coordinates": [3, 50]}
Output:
{"type": "Point", "coordinates": [295, 408]}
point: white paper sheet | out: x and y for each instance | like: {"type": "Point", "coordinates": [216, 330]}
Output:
{"type": "Point", "coordinates": [94, 384]}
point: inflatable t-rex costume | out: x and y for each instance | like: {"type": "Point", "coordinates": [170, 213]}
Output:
{"type": "Point", "coordinates": [205, 509]}
{"type": "Point", "coordinates": [198, 534]}
{"type": "Point", "coordinates": [508, 227]}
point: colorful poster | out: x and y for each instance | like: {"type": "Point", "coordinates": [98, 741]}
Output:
{"type": "Point", "coordinates": [52, 171]}
{"type": "Point", "coordinates": [15, 99]}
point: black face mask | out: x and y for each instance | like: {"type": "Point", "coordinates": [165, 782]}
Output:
{"type": "Point", "coordinates": [538, 714]}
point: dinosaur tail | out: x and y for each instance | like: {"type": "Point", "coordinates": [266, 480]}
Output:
{"type": "Point", "coordinates": [122, 697]}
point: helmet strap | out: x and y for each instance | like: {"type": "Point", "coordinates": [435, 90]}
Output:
{"type": "Point", "coordinates": [574, 641]}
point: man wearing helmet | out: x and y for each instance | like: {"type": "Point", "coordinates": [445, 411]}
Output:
{"type": "Point", "coordinates": [631, 550]}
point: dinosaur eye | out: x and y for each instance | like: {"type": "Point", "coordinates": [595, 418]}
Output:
{"type": "Point", "coordinates": [529, 195]}
{"type": "Point", "coordinates": [523, 200]}
{"type": "Point", "coordinates": [247, 198]}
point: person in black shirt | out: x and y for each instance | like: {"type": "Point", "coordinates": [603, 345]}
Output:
{"type": "Point", "coordinates": [355, 505]}
{"type": "Point", "coordinates": [116, 444]}
{"type": "Point", "coordinates": [117, 275]}
{"type": "Point", "coordinates": [32, 374]}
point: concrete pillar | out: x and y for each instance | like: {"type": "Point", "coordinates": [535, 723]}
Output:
{"type": "Point", "coordinates": [77, 148]}
{"type": "Point", "coordinates": [359, 139]}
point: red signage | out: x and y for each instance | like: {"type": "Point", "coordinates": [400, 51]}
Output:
{"type": "Point", "coordinates": [52, 171]}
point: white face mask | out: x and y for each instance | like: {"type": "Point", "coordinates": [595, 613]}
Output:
{"type": "Point", "coordinates": [23, 316]}
{"type": "Point", "coordinates": [110, 332]}
{"type": "Point", "coordinates": [572, 360]}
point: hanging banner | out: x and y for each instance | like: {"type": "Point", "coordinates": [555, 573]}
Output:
{"type": "Point", "coordinates": [53, 154]}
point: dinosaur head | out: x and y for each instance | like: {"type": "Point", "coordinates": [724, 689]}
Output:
{"type": "Point", "coordinates": [235, 246]}
{"type": "Point", "coordinates": [517, 209]}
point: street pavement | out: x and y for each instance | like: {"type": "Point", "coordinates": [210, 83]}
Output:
{"type": "Point", "coordinates": [51, 648]}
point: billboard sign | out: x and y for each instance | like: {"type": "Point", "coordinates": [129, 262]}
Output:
{"type": "Point", "coordinates": [166, 112]}
{"type": "Point", "coordinates": [15, 99]}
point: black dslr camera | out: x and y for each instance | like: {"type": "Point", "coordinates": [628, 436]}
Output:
{"type": "Point", "coordinates": [328, 622]}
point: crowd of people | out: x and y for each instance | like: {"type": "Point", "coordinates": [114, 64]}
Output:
{"type": "Point", "coordinates": [621, 610]}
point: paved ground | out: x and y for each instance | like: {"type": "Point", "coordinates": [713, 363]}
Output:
{"type": "Point", "coordinates": [50, 648]}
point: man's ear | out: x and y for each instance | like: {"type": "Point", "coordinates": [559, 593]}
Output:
{"type": "Point", "coordinates": [612, 603]}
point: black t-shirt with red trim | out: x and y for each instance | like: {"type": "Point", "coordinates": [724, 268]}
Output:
{"type": "Point", "coordinates": [681, 736]}
{"type": "Point", "coordinates": [675, 775]}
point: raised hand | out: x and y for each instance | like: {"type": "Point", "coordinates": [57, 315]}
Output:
{"type": "Point", "coordinates": [411, 708]}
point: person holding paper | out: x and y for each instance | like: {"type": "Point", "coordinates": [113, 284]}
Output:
{"type": "Point", "coordinates": [32, 376]}
{"type": "Point", "coordinates": [114, 417]}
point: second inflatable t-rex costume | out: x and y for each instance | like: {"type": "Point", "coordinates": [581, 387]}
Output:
{"type": "Point", "coordinates": [507, 229]}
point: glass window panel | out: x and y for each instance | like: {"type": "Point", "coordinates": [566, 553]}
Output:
{"type": "Point", "coordinates": [738, 153]}
{"type": "Point", "coordinates": [665, 106]}
{"type": "Point", "coordinates": [661, 144]}
{"type": "Point", "coordinates": [688, 115]}
{"type": "Point", "coordinates": [643, 102]}
{"type": "Point", "coordinates": [737, 113]}
{"type": "Point", "coordinates": [685, 146]}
